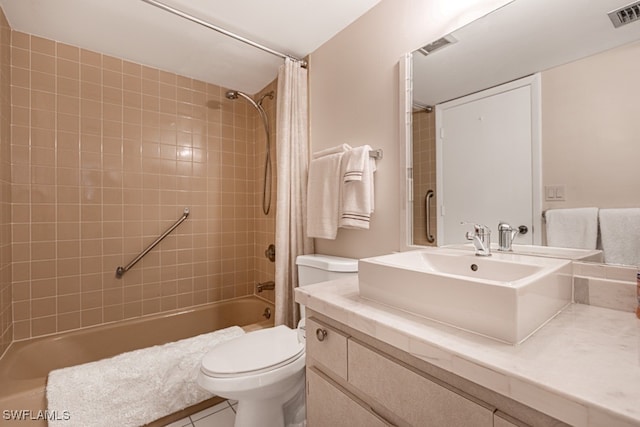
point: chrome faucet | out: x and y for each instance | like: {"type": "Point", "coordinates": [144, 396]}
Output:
{"type": "Point", "coordinates": [481, 238]}
{"type": "Point", "coordinates": [506, 234]}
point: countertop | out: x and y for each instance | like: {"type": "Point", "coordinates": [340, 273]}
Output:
{"type": "Point", "coordinates": [582, 367]}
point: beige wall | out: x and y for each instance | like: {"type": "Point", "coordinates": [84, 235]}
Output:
{"type": "Point", "coordinates": [353, 85]}
{"type": "Point", "coordinates": [6, 314]}
{"type": "Point", "coordinates": [106, 154]}
{"type": "Point", "coordinates": [590, 143]}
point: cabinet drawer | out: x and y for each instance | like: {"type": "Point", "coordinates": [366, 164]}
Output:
{"type": "Point", "coordinates": [413, 397]}
{"type": "Point", "coordinates": [329, 405]}
{"type": "Point", "coordinates": [504, 420]}
{"type": "Point", "coordinates": [326, 346]}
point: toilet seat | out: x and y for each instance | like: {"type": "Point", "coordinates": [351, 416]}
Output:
{"type": "Point", "coordinates": [253, 353]}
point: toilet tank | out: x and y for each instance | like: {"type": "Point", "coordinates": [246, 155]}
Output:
{"type": "Point", "coordinates": [318, 268]}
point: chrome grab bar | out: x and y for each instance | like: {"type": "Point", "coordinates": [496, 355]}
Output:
{"type": "Point", "coordinates": [427, 215]}
{"type": "Point", "coordinates": [121, 270]}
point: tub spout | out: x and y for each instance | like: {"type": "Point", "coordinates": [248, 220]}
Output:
{"type": "Point", "coordinates": [266, 286]}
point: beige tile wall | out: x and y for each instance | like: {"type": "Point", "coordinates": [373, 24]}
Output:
{"type": "Point", "coordinates": [424, 174]}
{"type": "Point", "coordinates": [106, 155]}
{"type": "Point", "coordinates": [6, 315]}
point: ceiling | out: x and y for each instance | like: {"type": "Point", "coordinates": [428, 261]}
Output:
{"type": "Point", "coordinates": [518, 39]}
{"type": "Point", "coordinates": [139, 32]}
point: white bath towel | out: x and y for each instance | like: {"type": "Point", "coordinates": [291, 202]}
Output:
{"type": "Point", "coordinates": [338, 149]}
{"type": "Point", "coordinates": [324, 192]}
{"type": "Point", "coordinates": [133, 388]}
{"type": "Point", "coordinates": [572, 228]}
{"type": "Point", "coordinates": [619, 230]}
{"type": "Point", "coordinates": [358, 201]}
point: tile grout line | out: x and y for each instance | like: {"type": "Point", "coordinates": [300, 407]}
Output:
{"type": "Point", "coordinates": [208, 415]}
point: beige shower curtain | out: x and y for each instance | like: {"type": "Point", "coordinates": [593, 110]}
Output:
{"type": "Point", "coordinates": [292, 148]}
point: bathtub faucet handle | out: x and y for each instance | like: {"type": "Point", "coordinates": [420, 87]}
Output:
{"type": "Point", "coordinates": [270, 253]}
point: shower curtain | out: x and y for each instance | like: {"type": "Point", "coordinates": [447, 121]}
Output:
{"type": "Point", "coordinates": [292, 148]}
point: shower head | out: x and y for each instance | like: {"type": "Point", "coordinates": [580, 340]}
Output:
{"type": "Point", "coordinates": [234, 94]}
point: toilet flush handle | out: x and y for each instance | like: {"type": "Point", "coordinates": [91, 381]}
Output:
{"type": "Point", "coordinates": [321, 334]}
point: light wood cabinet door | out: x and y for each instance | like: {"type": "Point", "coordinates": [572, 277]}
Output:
{"type": "Point", "coordinates": [503, 420]}
{"type": "Point", "coordinates": [413, 397]}
{"type": "Point", "coordinates": [326, 346]}
{"type": "Point", "coordinates": [329, 406]}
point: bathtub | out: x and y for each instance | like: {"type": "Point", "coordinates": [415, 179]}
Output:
{"type": "Point", "coordinates": [26, 364]}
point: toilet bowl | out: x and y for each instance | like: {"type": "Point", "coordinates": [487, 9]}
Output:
{"type": "Point", "coordinates": [264, 370]}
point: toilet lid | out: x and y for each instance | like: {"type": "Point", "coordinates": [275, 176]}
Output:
{"type": "Point", "coordinates": [253, 352]}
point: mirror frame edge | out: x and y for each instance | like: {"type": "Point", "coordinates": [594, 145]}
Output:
{"type": "Point", "coordinates": [406, 154]}
{"type": "Point", "coordinates": [536, 159]}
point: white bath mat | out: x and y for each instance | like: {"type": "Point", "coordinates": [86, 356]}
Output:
{"type": "Point", "coordinates": [133, 388]}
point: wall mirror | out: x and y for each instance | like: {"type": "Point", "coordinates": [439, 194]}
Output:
{"type": "Point", "coordinates": [586, 103]}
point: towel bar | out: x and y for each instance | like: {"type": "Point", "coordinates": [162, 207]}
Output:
{"type": "Point", "coordinates": [376, 154]}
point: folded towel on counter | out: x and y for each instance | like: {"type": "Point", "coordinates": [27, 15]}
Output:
{"type": "Point", "coordinates": [358, 189]}
{"type": "Point", "coordinates": [324, 192]}
{"type": "Point", "coordinates": [619, 229]}
{"type": "Point", "coordinates": [572, 228]}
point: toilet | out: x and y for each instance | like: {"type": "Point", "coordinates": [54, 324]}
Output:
{"type": "Point", "coordinates": [264, 370]}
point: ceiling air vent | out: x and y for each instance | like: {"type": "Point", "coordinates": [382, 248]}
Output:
{"type": "Point", "coordinates": [625, 15]}
{"type": "Point", "coordinates": [438, 44]}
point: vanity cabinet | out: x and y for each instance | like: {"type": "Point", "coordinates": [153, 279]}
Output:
{"type": "Point", "coordinates": [354, 379]}
{"type": "Point", "coordinates": [414, 397]}
{"type": "Point", "coordinates": [504, 420]}
{"type": "Point", "coordinates": [350, 382]}
{"type": "Point", "coordinates": [330, 405]}
{"type": "Point", "coordinates": [328, 347]}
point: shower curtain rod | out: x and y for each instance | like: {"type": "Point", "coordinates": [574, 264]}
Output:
{"type": "Point", "coordinates": [220, 30]}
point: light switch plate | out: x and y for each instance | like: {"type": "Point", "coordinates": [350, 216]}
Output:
{"type": "Point", "coordinates": [549, 192]}
{"type": "Point", "coordinates": [555, 193]}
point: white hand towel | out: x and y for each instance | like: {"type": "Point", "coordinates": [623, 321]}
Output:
{"type": "Point", "coordinates": [338, 149]}
{"type": "Point", "coordinates": [619, 229]}
{"type": "Point", "coordinates": [324, 192]}
{"type": "Point", "coordinates": [358, 189]}
{"type": "Point", "coordinates": [572, 228]}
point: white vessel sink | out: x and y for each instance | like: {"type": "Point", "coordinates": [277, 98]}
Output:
{"type": "Point", "coordinates": [505, 296]}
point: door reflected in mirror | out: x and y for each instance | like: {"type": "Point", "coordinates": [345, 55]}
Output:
{"type": "Point", "coordinates": [588, 111]}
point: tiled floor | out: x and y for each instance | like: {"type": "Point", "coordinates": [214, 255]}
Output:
{"type": "Point", "coordinates": [221, 415]}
